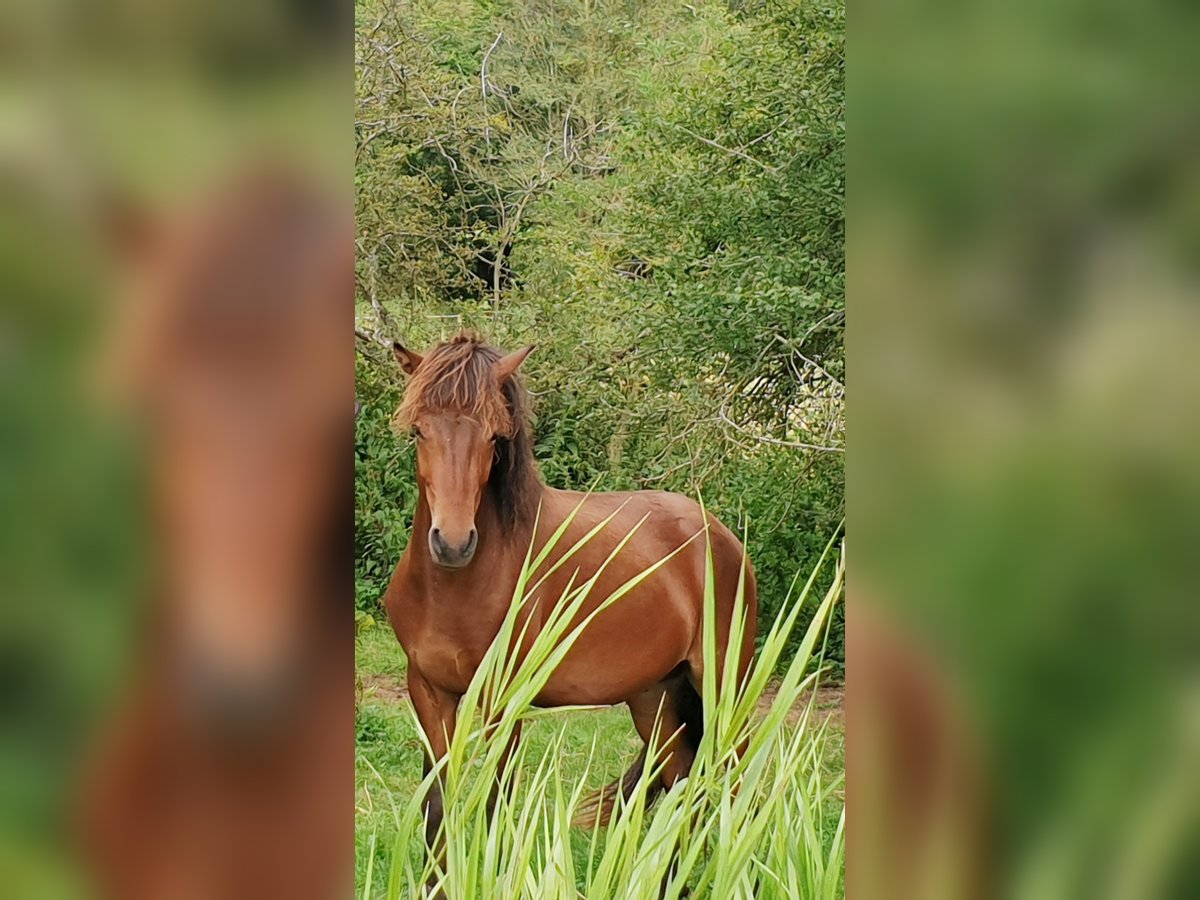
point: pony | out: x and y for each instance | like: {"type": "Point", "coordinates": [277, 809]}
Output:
{"type": "Point", "coordinates": [481, 505]}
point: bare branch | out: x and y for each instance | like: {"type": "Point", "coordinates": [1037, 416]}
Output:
{"type": "Point", "coordinates": [811, 362]}
{"type": "Point", "coordinates": [738, 153]}
{"type": "Point", "coordinates": [776, 441]}
{"type": "Point", "coordinates": [483, 66]}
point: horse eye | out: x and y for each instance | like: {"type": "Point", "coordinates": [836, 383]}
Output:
{"type": "Point", "coordinates": [416, 432]}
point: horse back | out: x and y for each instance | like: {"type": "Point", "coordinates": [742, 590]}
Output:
{"type": "Point", "coordinates": [657, 623]}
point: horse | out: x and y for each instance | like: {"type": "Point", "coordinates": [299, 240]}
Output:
{"type": "Point", "coordinates": [481, 505]}
{"type": "Point", "coordinates": [224, 770]}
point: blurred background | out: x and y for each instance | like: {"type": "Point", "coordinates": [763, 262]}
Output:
{"type": "Point", "coordinates": [1024, 479]}
{"type": "Point", "coordinates": [128, 131]}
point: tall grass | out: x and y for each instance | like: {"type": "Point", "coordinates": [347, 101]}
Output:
{"type": "Point", "coordinates": [767, 822]}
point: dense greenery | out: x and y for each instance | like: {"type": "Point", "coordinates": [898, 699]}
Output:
{"type": "Point", "coordinates": [653, 194]}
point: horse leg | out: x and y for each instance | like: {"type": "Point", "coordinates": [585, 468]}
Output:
{"type": "Point", "coordinates": [436, 710]}
{"type": "Point", "coordinates": [502, 769]}
{"type": "Point", "coordinates": [659, 725]}
{"type": "Point", "coordinates": [691, 686]}
{"type": "Point", "coordinates": [694, 668]}
{"type": "Point", "coordinates": [662, 719]}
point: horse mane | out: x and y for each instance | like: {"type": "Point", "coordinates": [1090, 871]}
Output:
{"type": "Point", "coordinates": [458, 377]}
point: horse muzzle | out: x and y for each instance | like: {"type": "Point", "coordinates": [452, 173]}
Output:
{"type": "Point", "coordinates": [239, 710]}
{"type": "Point", "coordinates": [451, 554]}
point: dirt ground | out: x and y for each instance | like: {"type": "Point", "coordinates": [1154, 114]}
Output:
{"type": "Point", "coordinates": [830, 701]}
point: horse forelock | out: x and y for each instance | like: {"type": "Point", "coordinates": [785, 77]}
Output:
{"type": "Point", "coordinates": [458, 377]}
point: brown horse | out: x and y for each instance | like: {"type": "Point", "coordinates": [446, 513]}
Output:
{"type": "Point", "coordinates": [226, 770]}
{"type": "Point", "coordinates": [480, 505]}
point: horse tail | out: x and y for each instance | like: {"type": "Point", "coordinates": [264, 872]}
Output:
{"type": "Point", "coordinates": [597, 807]}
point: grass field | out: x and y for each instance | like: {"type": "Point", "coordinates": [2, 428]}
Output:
{"type": "Point", "coordinates": [388, 751]}
{"type": "Point", "coordinates": [600, 742]}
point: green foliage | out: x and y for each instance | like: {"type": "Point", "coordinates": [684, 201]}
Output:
{"type": "Point", "coordinates": [653, 196]}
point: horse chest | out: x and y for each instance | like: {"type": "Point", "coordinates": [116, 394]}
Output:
{"type": "Point", "coordinates": [447, 648]}
{"type": "Point", "coordinates": [447, 621]}
{"type": "Point", "coordinates": [446, 664]}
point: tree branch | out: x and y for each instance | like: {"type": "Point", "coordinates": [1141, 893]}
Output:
{"type": "Point", "coordinates": [738, 153]}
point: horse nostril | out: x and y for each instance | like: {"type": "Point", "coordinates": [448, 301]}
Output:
{"type": "Point", "coordinates": [436, 542]}
{"type": "Point", "coordinates": [469, 546]}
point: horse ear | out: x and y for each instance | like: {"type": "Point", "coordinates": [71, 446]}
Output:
{"type": "Point", "coordinates": [408, 359]}
{"type": "Point", "coordinates": [507, 365]}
